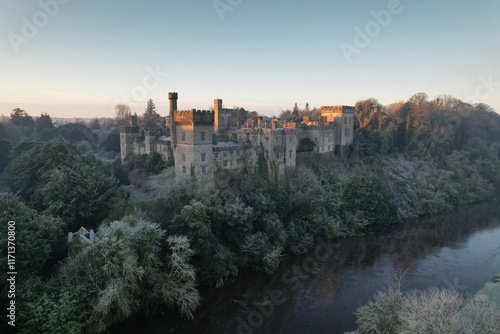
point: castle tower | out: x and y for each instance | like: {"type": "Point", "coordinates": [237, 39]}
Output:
{"type": "Point", "coordinates": [194, 130]}
{"type": "Point", "coordinates": [219, 122]}
{"type": "Point", "coordinates": [343, 116]}
{"type": "Point", "coordinates": [133, 120]}
{"type": "Point", "coordinates": [173, 107]}
{"type": "Point", "coordinates": [149, 141]}
{"type": "Point", "coordinates": [128, 134]}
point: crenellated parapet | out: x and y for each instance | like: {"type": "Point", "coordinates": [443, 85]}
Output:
{"type": "Point", "coordinates": [337, 109]}
{"type": "Point", "coordinates": [194, 117]}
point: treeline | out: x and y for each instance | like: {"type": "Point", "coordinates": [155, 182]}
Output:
{"type": "Point", "coordinates": [435, 153]}
{"type": "Point", "coordinates": [408, 159]}
{"type": "Point", "coordinates": [100, 135]}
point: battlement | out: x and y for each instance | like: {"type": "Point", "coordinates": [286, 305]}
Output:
{"type": "Point", "coordinates": [194, 116]}
{"type": "Point", "coordinates": [337, 109]}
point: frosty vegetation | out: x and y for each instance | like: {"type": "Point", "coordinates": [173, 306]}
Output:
{"type": "Point", "coordinates": [159, 238]}
{"type": "Point", "coordinates": [440, 311]}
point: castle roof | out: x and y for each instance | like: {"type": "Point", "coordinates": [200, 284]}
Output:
{"type": "Point", "coordinates": [165, 138]}
{"type": "Point", "coordinates": [228, 144]}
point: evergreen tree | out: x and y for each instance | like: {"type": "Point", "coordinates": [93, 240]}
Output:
{"type": "Point", "coordinates": [20, 117]}
{"type": "Point", "coordinates": [295, 112]}
{"type": "Point", "coordinates": [150, 115]}
{"type": "Point", "coordinates": [45, 127]}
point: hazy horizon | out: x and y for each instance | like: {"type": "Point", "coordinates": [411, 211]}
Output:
{"type": "Point", "coordinates": [78, 59]}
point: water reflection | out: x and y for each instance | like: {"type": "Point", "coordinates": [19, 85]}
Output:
{"type": "Point", "coordinates": [459, 249]}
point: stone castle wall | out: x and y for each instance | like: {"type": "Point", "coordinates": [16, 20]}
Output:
{"type": "Point", "coordinates": [193, 141]}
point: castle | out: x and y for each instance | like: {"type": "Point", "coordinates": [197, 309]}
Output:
{"type": "Point", "coordinates": [201, 142]}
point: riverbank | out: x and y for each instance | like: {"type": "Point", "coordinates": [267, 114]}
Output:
{"type": "Point", "coordinates": [454, 250]}
{"type": "Point", "coordinates": [492, 289]}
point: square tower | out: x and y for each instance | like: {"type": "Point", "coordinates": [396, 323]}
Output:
{"type": "Point", "coordinates": [193, 135]}
{"type": "Point", "coordinates": [343, 116]}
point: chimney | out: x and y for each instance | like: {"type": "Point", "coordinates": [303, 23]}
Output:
{"type": "Point", "coordinates": [214, 138]}
{"type": "Point", "coordinates": [259, 122]}
{"type": "Point", "coordinates": [273, 124]}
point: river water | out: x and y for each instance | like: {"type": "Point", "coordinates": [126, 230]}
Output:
{"type": "Point", "coordinates": [320, 291]}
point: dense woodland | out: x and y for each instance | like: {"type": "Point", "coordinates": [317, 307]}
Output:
{"type": "Point", "coordinates": [157, 242]}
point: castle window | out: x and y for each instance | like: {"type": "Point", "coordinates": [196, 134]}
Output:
{"type": "Point", "coordinates": [204, 169]}
{"type": "Point", "coordinates": [203, 156]}
{"type": "Point", "coordinates": [183, 136]}
{"type": "Point", "coordinates": [290, 153]}
{"type": "Point", "coordinates": [345, 120]}
{"type": "Point", "coordinates": [202, 135]}
{"type": "Point", "coordinates": [225, 154]}
{"type": "Point", "coordinates": [183, 156]}
{"type": "Point", "coordinates": [216, 155]}
{"type": "Point", "coordinates": [184, 169]}
{"type": "Point", "coordinates": [225, 163]}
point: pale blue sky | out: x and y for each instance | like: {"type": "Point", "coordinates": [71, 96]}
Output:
{"type": "Point", "coordinates": [263, 55]}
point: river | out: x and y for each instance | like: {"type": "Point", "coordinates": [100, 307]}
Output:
{"type": "Point", "coordinates": [319, 292]}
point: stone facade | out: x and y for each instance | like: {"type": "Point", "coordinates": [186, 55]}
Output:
{"type": "Point", "coordinates": [205, 141]}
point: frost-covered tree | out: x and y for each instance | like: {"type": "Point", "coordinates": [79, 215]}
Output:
{"type": "Point", "coordinates": [38, 237]}
{"type": "Point", "coordinates": [58, 178]}
{"type": "Point", "coordinates": [261, 253]}
{"type": "Point", "coordinates": [213, 261]}
{"type": "Point", "coordinates": [135, 274]}
{"type": "Point", "coordinates": [435, 310]}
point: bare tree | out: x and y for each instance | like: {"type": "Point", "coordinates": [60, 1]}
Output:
{"type": "Point", "coordinates": [123, 112]}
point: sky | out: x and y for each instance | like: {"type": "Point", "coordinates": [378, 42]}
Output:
{"type": "Point", "coordinates": [76, 58]}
